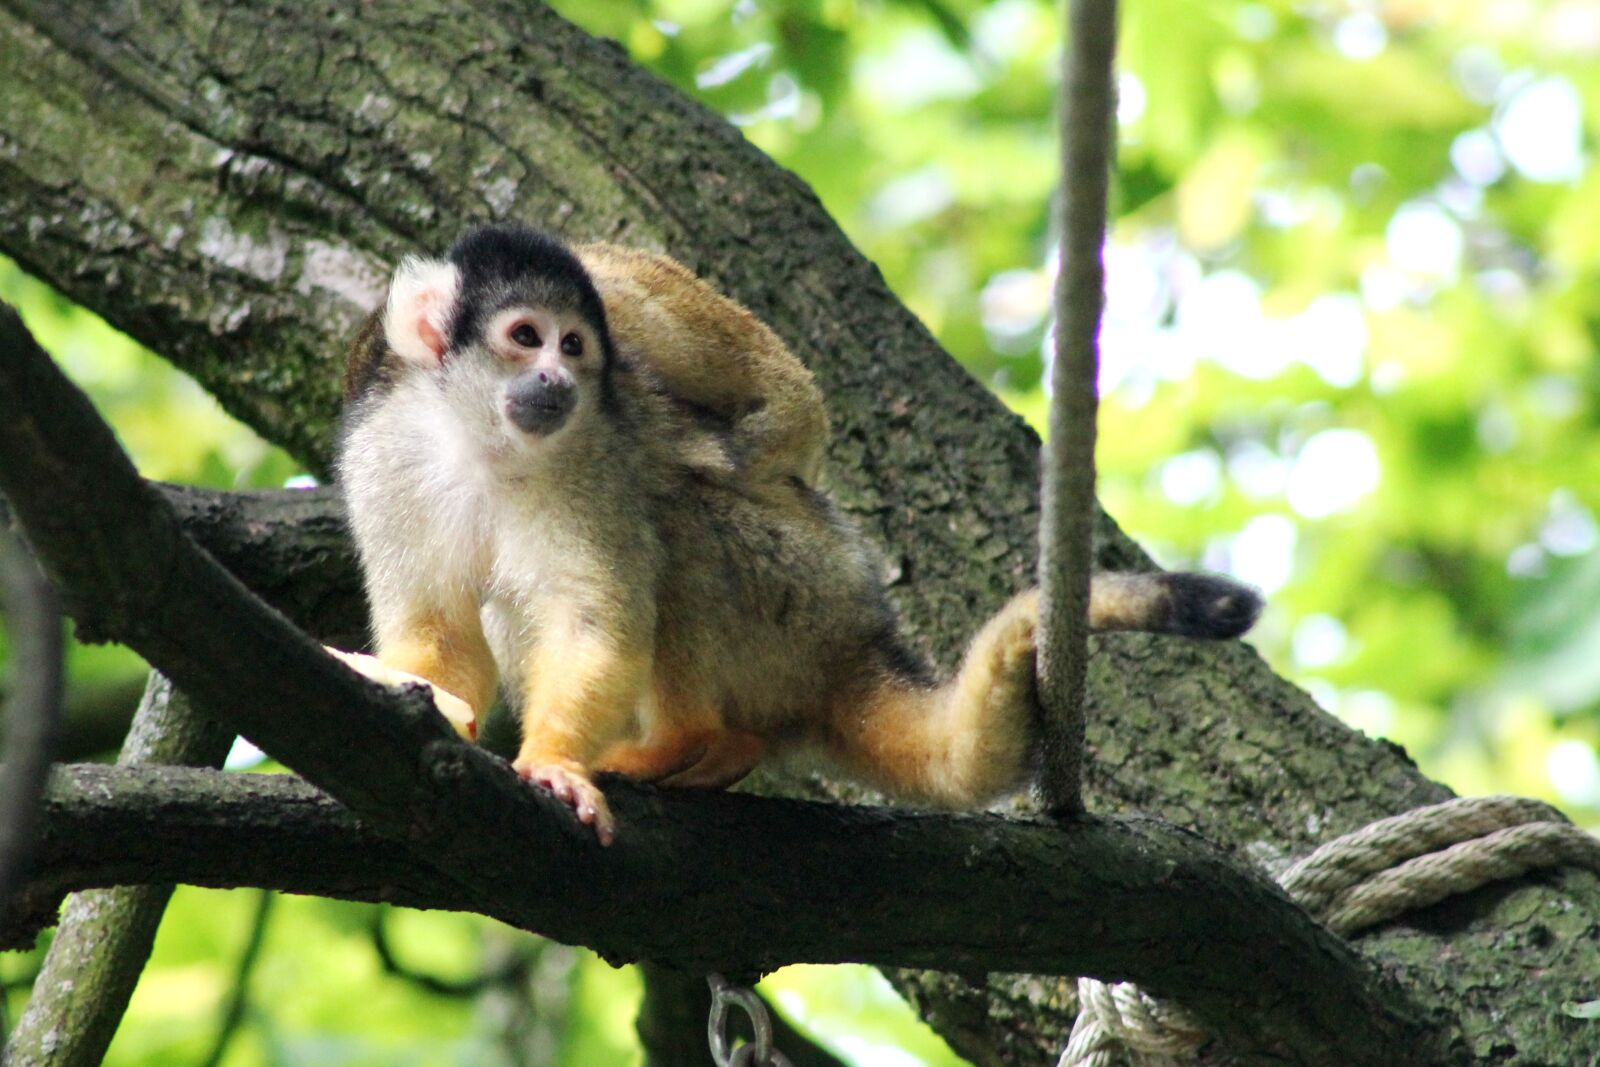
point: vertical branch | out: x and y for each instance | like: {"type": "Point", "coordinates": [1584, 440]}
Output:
{"type": "Point", "coordinates": [672, 1018]}
{"type": "Point", "coordinates": [33, 711]}
{"type": "Point", "coordinates": [104, 936]}
{"type": "Point", "coordinates": [672, 1024]}
{"type": "Point", "coordinates": [1068, 491]}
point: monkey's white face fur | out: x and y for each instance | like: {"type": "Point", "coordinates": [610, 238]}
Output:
{"type": "Point", "coordinates": [455, 454]}
{"type": "Point", "coordinates": [515, 381]}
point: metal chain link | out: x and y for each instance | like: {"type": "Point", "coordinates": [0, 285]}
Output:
{"type": "Point", "coordinates": [757, 1053]}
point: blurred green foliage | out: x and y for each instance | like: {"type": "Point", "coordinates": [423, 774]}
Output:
{"type": "Point", "coordinates": [1349, 355]}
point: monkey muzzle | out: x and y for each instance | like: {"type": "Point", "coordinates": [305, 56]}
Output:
{"type": "Point", "coordinates": [539, 401]}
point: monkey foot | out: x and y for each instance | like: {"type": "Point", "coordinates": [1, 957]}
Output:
{"type": "Point", "coordinates": [729, 757]}
{"type": "Point", "coordinates": [573, 788]}
{"type": "Point", "coordinates": [657, 758]}
{"type": "Point", "coordinates": [457, 712]}
{"type": "Point", "coordinates": [693, 758]}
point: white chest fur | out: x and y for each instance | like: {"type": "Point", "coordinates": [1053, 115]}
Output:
{"type": "Point", "coordinates": [419, 499]}
{"type": "Point", "coordinates": [441, 504]}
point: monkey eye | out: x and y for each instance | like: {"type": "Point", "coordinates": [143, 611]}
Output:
{"type": "Point", "coordinates": [525, 335]}
{"type": "Point", "coordinates": [572, 345]}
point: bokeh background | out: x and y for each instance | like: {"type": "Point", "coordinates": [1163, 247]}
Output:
{"type": "Point", "coordinates": [1349, 356]}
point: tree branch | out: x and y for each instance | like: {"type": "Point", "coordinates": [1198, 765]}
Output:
{"type": "Point", "coordinates": [1097, 896]}
{"type": "Point", "coordinates": [290, 547]}
{"type": "Point", "coordinates": [105, 935]}
{"type": "Point", "coordinates": [33, 707]}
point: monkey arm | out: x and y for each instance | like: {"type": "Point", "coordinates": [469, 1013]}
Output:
{"type": "Point", "coordinates": [457, 711]}
{"type": "Point", "coordinates": [581, 695]}
{"type": "Point", "coordinates": [443, 646]}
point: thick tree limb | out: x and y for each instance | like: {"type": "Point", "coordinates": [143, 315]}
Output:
{"type": "Point", "coordinates": [290, 547]}
{"type": "Point", "coordinates": [1090, 896]}
{"type": "Point", "coordinates": [155, 826]}
{"type": "Point", "coordinates": [286, 188]}
{"type": "Point", "coordinates": [831, 877]}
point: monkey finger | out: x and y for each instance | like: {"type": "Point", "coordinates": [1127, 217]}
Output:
{"type": "Point", "coordinates": [457, 712]}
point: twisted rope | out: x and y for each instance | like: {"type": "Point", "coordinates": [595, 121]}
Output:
{"type": "Point", "coordinates": [1366, 877]}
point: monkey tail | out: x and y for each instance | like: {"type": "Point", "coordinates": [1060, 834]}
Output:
{"type": "Point", "coordinates": [1192, 605]}
{"type": "Point", "coordinates": [968, 740]}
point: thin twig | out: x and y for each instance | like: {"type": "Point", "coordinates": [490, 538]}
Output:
{"type": "Point", "coordinates": [233, 1011]}
{"type": "Point", "coordinates": [1065, 530]}
{"type": "Point", "coordinates": [514, 969]}
{"type": "Point", "coordinates": [33, 708]}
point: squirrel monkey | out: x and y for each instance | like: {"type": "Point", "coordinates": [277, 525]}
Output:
{"type": "Point", "coordinates": [583, 475]}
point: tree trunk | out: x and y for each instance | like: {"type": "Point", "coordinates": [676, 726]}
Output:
{"type": "Point", "coordinates": [238, 216]}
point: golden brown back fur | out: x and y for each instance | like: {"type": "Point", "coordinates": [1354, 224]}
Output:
{"type": "Point", "coordinates": [715, 355]}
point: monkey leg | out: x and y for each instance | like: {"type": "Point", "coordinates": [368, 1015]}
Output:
{"type": "Point", "coordinates": [961, 744]}
{"type": "Point", "coordinates": [580, 700]}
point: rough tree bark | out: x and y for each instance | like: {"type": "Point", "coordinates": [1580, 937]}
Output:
{"type": "Point", "coordinates": [237, 216]}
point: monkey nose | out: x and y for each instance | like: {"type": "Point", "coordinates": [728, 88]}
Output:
{"type": "Point", "coordinates": [539, 402]}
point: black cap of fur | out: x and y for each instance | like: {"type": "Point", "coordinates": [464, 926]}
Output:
{"type": "Point", "coordinates": [506, 264]}
{"type": "Point", "coordinates": [1207, 605]}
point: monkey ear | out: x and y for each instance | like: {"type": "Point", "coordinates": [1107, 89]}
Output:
{"type": "Point", "coordinates": [422, 300]}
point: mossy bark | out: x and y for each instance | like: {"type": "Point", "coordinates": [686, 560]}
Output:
{"type": "Point", "coordinates": [238, 214]}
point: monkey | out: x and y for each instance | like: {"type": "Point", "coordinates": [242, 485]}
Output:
{"type": "Point", "coordinates": [585, 477]}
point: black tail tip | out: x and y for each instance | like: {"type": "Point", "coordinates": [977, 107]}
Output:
{"type": "Point", "coordinates": [1208, 605]}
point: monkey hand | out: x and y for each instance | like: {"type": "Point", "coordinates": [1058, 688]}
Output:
{"type": "Point", "coordinates": [455, 710]}
{"type": "Point", "coordinates": [573, 788]}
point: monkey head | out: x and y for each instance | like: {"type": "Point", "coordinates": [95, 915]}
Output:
{"type": "Point", "coordinates": [511, 330]}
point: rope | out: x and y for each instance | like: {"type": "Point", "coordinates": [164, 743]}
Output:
{"type": "Point", "coordinates": [1351, 883]}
